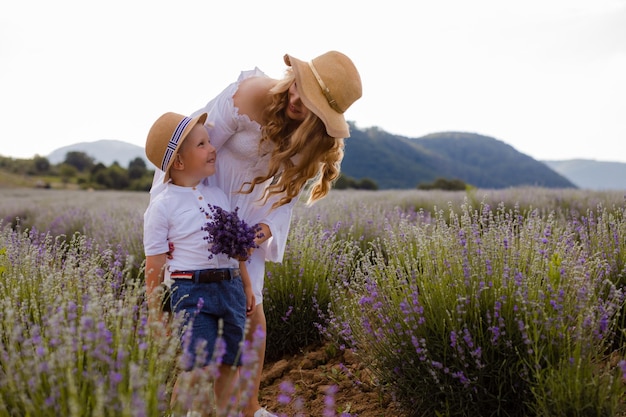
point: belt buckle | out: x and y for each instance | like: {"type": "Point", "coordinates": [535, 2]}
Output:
{"type": "Point", "coordinates": [181, 275]}
{"type": "Point", "coordinates": [208, 275]}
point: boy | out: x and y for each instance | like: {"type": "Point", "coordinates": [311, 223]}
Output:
{"type": "Point", "coordinates": [206, 288]}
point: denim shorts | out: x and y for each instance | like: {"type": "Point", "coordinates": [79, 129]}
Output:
{"type": "Point", "coordinates": [204, 304]}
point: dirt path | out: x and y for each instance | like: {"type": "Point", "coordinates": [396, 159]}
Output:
{"type": "Point", "coordinates": [313, 372]}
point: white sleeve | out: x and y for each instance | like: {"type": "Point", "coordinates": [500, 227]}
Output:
{"type": "Point", "coordinates": [279, 222]}
{"type": "Point", "coordinates": [221, 120]}
{"type": "Point", "coordinates": [222, 114]}
{"type": "Point", "coordinates": [155, 230]}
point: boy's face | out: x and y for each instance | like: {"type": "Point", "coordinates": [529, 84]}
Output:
{"type": "Point", "coordinates": [197, 154]}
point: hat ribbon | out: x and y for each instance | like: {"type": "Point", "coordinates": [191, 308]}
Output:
{"type": "Point", "coordinates": [173, 143]}
{"type": "Point", "coordinates": [325, 90]}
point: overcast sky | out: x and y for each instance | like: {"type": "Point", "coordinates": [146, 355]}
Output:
{"type": "Point", "coordinates": [547, 77]}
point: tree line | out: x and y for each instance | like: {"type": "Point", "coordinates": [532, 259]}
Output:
{"type": "Point", "coordinates": [81, 169]}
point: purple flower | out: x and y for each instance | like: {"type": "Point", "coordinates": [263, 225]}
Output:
{"type": "Point", "coordinates": [287, 390]}
{"type": "Point", "coordinates": [230, 235]}
{"type": "Point", "coordinates": [622, 365]}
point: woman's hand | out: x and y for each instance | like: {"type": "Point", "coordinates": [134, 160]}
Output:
{"type": "Point", "coordinates": [247, 289]}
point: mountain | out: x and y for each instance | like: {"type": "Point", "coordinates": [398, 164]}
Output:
{"type": "Point", "coordinates": [398, 162]}
{"type": "Point", "coordinates": [401, 162]}
{"type": "Point", "coordinates": [591, 174]}
{"type": "Point", "coordinates": [105, 151]}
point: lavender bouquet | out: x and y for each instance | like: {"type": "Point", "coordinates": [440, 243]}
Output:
{"type": "Point", "coordinates": [230, 235]}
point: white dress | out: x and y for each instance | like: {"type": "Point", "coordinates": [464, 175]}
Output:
{"type": "Point", "coordinates": [240, 160]}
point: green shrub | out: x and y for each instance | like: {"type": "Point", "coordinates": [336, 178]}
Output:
{"type": "Point", "coordinates": [297, 290]}
{"type": "Point", "coordinates": [485, 313]}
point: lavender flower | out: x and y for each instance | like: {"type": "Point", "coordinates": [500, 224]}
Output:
{"type": "Point", "coordinates": [230, 235]}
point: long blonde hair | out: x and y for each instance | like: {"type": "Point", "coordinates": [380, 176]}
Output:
{"type": "Point", "coordinates": [302, 152]}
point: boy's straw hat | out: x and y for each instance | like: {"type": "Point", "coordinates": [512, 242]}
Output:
{"type": "Point", "coordinates": [165, 137]}
{"type": "Point", "coordinates": [328, 85]}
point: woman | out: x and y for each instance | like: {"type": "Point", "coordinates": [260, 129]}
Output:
{"type": "Point", "coordinates": [273, 137]}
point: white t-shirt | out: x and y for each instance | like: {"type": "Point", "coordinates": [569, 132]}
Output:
{"type": "Point", "coordinates": [174, 215]}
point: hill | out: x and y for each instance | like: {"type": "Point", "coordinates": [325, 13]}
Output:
{"type": "Point", "coordinates": [490, 163]}
{"type": "Point", "coordinates": [591, 174]}
{"type": "Point", "coordinates": [398, 162]}
{"type": "Point", "coordinates": [105, 151]}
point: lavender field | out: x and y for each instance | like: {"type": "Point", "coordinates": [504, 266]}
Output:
{"type": "Point", "coordinates": [480, 303]}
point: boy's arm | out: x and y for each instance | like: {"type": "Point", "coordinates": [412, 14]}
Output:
{"type": "Point", "coordinates": [155, 264]}
{"type": "Point", "coordinates": [247, 288]}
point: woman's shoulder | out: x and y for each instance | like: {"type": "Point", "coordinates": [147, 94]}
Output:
{"type": "Point", "coordinates": [256, 88]}
{"type": "Point", "coordinates": [253, 96]}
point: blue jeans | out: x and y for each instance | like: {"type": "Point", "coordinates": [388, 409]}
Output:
{"type": "Point", "coordinates": [204, 304]}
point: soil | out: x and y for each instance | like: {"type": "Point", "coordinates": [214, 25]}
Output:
{"type": "Point", "coordinates": [312, 373]}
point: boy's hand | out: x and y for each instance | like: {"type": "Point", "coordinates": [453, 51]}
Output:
{"type": "Point", "coordinates": [158, 320]}
{"type": "Point", "coordinates": [250, 302]}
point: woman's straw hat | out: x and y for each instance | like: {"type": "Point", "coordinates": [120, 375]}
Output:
{"type": "Point", "coordinates": [165, 137]}
{"type": "Point", "coordinates": [328, 85]}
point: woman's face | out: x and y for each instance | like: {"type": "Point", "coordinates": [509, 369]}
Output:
{"type": "Point", "coordinates": [296, 110]}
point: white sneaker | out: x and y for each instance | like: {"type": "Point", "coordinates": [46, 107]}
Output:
{"type": "Point", "coordinates": [262, 412]}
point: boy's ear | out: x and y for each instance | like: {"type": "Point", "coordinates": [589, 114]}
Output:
{"type": "Point", "coordinates": [178, 162]}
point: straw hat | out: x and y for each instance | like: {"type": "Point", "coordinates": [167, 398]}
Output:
{"type": "Point", "coordinates": [165, 137]}
{"type": "Point", "coordinates": [328, 85]}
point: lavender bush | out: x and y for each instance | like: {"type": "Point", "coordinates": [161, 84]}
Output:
{"type": "Point", "coordinates": [601, 232]}
{"type": "Point", "coordinates": [486, 312]}
{"type": "Point", "coordinates": [490, 302]}
{"type": "Point", "coordinates": [106, 217]}
{"type": "Point", "coordinates": [75, 338]}
{"type": "Point", "coordinates": [298, 289]}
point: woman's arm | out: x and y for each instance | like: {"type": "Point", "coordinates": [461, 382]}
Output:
{"type": "Point", "coordinates": [223, 110]}
{"type": "Point", "coordinates": [253, 96]}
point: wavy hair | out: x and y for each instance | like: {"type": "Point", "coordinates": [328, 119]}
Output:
{"type": "Point", "coordinates": [303, 152]}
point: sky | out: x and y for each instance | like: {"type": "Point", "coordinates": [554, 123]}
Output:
{"type": "Point", "coordinates": [547, 77]}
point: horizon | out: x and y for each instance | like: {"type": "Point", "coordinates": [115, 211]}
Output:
{"type": "Point", "coordinates": [73, 145]}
